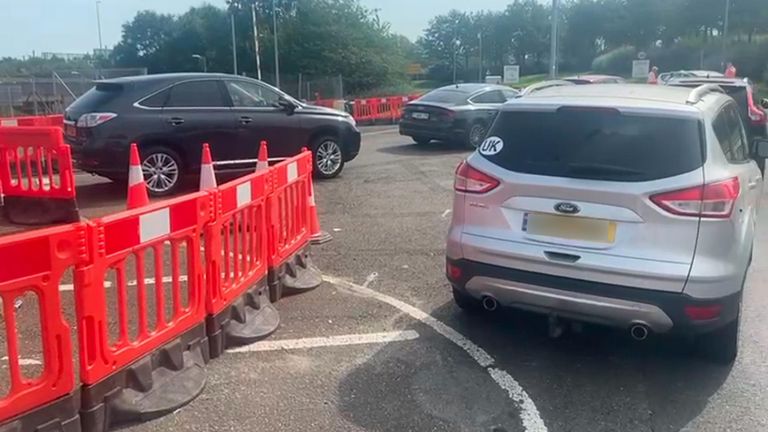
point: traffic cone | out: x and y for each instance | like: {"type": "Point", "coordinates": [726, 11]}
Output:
{"type": "Point", "coordinates": [263, 162]}
{"type": "Point", "coordinates": [316, 236]}
{"type": "Point", "coordinates": [137, 189]}
{"type": "Point", "coordinates": [207, 176]}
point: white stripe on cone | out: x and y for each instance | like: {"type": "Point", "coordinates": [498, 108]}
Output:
{"type": "Point", "coordinates": [135, 175]}
{"type": "Point", "coordinates": [207, 177]}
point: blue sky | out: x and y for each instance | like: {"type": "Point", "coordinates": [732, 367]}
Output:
{"type": "Point", "coordinates": [69, 26]}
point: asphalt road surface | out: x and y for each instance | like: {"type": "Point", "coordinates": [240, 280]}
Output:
{"type": "Point", "coordinates": [381, 347]}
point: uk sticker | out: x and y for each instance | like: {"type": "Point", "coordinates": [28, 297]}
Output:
{"type": "Point", "coordinates": [491, 146]}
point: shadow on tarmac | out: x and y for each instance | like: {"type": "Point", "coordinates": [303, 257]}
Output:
{"type": "Point", "coordinates": [597, 379]}
{"type": "Point", "coordinates": [431, 149]}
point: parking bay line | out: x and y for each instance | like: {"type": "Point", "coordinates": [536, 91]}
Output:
{"type": "Point", "coordinates": [529, 414]}
{"type": "Point", "coordinates": [328, 341]}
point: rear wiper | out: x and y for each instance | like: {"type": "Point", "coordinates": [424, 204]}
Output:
{"type": "Point", "coordinates": [587, 168]}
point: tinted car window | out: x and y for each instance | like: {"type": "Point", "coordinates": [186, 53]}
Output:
{"type": "Point", "coordinates": [196, 94]}
{"type": "Point", "coordinates": [493, 96]}
{"type": "Point", "coordinates": [731, 135]}
{"type": "Point", "coordinates": [596, 144]}
{"type": "Point", "coordinates": [446, 96]}
{"type": "Point", "coordinates": [157, 100]}
{"type": "Point", "coordinates": [739, 94]}
{"type": "Point", "coordinates": [246, 94]}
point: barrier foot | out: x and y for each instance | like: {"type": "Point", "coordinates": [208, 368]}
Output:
{"type": "Point", "coordinates": [320, 238]}
{"type": "Point", "coordinates": [58, 416]}
{"type": "Point", "coordinates": [248, 319]}
{"type": "Point", "coordinates": [151, 387]}
{"type": "Point", "coordinates": [40, 211]}
{"type": "Point", "coordinates": [296, 275]}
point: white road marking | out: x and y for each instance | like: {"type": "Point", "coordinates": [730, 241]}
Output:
{"type": "Point", "coordinates": [446, 213]}
{"type": "Point", "coordinates": [381, 132]}
{"type": "Point", "coordinates": [529, 414]}
{"type": "Point", "coordinates": [23, 362]}
{"type": "Point", "coordinates": [328, 341]}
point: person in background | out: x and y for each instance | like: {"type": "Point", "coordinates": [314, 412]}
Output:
{"type": "Point", "coordinates": [730, 70]}
{"type": "Point", "coordinates": [653, 76]}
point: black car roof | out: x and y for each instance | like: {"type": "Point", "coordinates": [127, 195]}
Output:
{"type": "Point", "coordinates": [164, 78]}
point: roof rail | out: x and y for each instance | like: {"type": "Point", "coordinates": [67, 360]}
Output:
{"type": "Point", "coordinates": [699, 92]}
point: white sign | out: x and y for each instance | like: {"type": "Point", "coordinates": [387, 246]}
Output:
{"type": "Point", "coordinates": [640, 68]}
{"type": "Point", "coordinates": [511, 74]}
{"type": "Point", "coordinates": [491, 146]}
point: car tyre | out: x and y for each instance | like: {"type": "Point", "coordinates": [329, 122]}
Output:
{"type": "Point", "coordinates": [162, 168]}
{"type": "Point", "coordinates": [422, 141]}
{"type": "Point", "coordinates": [476, 134]}
{"type": "Point", "coordinates": [327, 157]}
{"type": "Point", "coordinates": [466, 302]}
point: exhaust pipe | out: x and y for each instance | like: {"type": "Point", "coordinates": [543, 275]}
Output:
{"type": "Point", "coordinates": [490, 304]}
{"type": "Point", "coordinates": [639, 332]}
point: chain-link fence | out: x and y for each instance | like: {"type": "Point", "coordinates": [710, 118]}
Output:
{"type": "Point", "coordinates": [37, 95]}
{"type": "Point", "coordinates": [308, 87]}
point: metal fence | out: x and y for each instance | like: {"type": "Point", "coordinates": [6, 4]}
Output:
{"type": "Point", "coordinates": [36, 95]}
{"type": "Point", "coordinates": [308, 87]}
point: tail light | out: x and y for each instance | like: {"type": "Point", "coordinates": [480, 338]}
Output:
{"type": "Point", "coordinates": [94, 119]}
{"type": "Point", "coordinates": [447, 115]}
{"type": "Point", "coordinates": [713, 200]}
{"type": "Point", "coordinates": [470, 180]}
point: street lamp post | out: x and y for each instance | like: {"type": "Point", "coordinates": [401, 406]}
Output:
{"type": "Point", "coordinates": [480, 62]}
{"type": "Point", "coordinates": [203, 60]}
{"type": "Point", "coordinates": [725, 29]}
{"type": "Point", "coordinates": [234, 44]}
{"type": "Point", "coordinates": [553, 41]}
{"type": "Point", "coordinates": [277, 51]}
{"type": "Point", "coordinates": [256, 41]}
{"type": "Point", "coordinates": [98, 24]}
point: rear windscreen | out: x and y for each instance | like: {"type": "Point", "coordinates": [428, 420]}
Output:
{"type": "Point", "coordinates": [96, 98]}
{"type": "Point", "coordinates": [445, 96]}
{"type": "Point", "coordinates": [594, 144]}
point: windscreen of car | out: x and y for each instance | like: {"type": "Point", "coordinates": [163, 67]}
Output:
{"type": "Point", "coordinates": [445, 96]}
{"type": "Point", "coordinates": [95, 99]}
{"type": "Point", "coordinates": [598, 144]}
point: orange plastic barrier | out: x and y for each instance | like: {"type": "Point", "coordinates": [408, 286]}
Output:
{"type": "Point", "coordinates": [56, 120]}
{"type": "Point", "coordinates": [236, 243]}
{"type": "Point", "coordinates": [177, 223]}
{"type": "Point", "coordinates": [236, 255]}
{"type": "Point", "coordinates": [289, 207]}
{"type": "Point", "coordinates": [34, 263]}
{"type": "Point", "coordinates": [387, 108]}
{"type": "Point", "coordinates": [37, 176]}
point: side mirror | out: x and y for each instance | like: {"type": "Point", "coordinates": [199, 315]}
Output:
{"type": "Point", "coordinates": [286, 105]}
{"type": "Point", "coordinates": [764, 103]}
{"type": "Point", "coordinates": [761, 148]}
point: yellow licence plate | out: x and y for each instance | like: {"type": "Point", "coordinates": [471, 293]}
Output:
{"type": "Point", "coordinates": [570, 227]}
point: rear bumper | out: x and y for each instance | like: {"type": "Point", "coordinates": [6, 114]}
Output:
{"type": "Point", "coordinates": [438, 131]}
{"type": "Point", "coordinates": [601, 303]}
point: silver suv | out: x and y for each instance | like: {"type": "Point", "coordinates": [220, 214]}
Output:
{"type": "Point", "coordinates": [632, 206]}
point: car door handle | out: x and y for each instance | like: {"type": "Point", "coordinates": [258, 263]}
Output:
{"type": "Point", "coordinates": [245, 120]}
{"type": "Point", "coordinates": [176, 121]}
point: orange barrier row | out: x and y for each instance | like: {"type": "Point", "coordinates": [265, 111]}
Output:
{"type": "Point", "coordinates": [55, 120]}
{"type": "Point", "coordinates": [159, 290]}
{"type": "Point", "coordinates": [380, 109]}
{"type": "Point", "coordinates": [36, 176]}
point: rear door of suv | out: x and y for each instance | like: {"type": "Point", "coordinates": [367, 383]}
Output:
{"type": "Point", "coordinates": [577, 190]}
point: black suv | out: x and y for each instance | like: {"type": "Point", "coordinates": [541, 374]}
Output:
{"type": "Point", "coordinates": [170, 116]}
